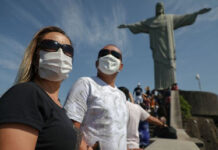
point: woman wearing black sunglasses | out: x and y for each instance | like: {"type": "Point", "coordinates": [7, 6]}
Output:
{"type": "Point", "coordinates": [31, 116]}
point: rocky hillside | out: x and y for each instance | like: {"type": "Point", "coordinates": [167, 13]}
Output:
{"type": "Point", "coordinates": [205, 116]}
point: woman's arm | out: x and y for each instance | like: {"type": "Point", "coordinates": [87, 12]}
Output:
{"type": "Point", "coordinates": [17, 137]}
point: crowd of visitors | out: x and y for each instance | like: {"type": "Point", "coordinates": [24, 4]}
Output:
{"type": "Point", "coordinates": [157, 103]}
{"type": "Point", "coordinates": [136, 115]}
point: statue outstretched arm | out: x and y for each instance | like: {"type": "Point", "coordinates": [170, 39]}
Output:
{"type": "Point", "coordinates": [203, 11]}
{"type": "Point", "coordinates": [123, 26]}
{"type": "Point", "coordinates": [187, 19]}
{"type": "Point", "coordinates": [139, 27]}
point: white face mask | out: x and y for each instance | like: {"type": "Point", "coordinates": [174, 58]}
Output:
{"type": "Point", "coordinates": [54, 66]}
{"type": "Point", "coordinates": [109, 64]}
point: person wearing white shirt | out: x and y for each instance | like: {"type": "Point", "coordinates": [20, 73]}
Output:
{"type": "Point", "coordinates": [98, 107]}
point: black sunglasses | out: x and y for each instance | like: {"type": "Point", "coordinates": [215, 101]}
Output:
{"type": "Point", "coordinates": [53, 46]}
{"type": "Point", "coordinates": [105, 52]}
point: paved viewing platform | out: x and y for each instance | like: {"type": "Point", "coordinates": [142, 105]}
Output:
{"type": "Point", "coordinates": [172, 144]}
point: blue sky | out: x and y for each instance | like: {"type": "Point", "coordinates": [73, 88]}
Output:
{"type": "Point", "coordinates": [91, 24]}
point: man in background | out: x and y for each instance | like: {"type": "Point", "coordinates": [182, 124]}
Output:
{"type": "Point", "coordinates": [138, 94]}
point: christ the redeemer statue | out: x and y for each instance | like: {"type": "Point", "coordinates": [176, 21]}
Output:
{"type": "Point", "coordinates": [161, 32]}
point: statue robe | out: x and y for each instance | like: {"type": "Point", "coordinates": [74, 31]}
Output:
{"type": "Point", "coordinates": [161, 33]}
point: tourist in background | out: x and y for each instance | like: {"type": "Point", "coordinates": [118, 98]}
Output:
{"type": "Point", "coordinates": [138, 94]}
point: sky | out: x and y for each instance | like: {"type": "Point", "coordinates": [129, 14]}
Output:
{"type": "Point", "coordinates": [92, 24]}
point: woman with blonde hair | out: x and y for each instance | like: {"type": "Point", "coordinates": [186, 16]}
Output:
{"type": "Point", "coordinates": [31, 115]}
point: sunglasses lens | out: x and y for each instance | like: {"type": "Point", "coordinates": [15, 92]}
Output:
{"type": "Point", "coordinates": [49, 45]}
{"type": "Point", "coordinates": [103, 52]}
{"type": "Point", "coordinates": [53, 46]}
{"type": "Point", "coordinates": [68, 50]}
{"type": "Point", "coordinates": [116, 54]}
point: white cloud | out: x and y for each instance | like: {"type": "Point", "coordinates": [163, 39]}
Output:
{"type": "Point", "coordinates": [182, 7]}
{"type": "Point", "coordinates": [73, 21]}
{"type": "Point", "coordinates": [10, 45]}
{"type": "Point", "coordinates": [8, 64]}
{"type": "Point", "coordinates": [190, 6]}
{"type": "Point", "coordinates": [213, 15]}
{"type": "Point", "coordinates": [23, 15]}
{"type": "Point", "coordinates": [11, 53]}
{"type": "Point", "coordinates": [50, 6]}
{"type": "Point", "coordinates": [95, 28]}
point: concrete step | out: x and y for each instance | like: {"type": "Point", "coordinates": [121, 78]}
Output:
{"type": "Point", "coordinates": [171, 144]}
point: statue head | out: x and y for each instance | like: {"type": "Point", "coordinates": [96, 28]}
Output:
{"type": "Point", "coordinates": [159, 8]}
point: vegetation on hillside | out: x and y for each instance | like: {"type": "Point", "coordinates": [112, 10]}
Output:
{"type": "Point", "coordinates": [185, 108]}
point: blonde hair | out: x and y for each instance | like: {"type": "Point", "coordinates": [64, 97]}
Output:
{"type": "Point", "coordinates": [28, 68]}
